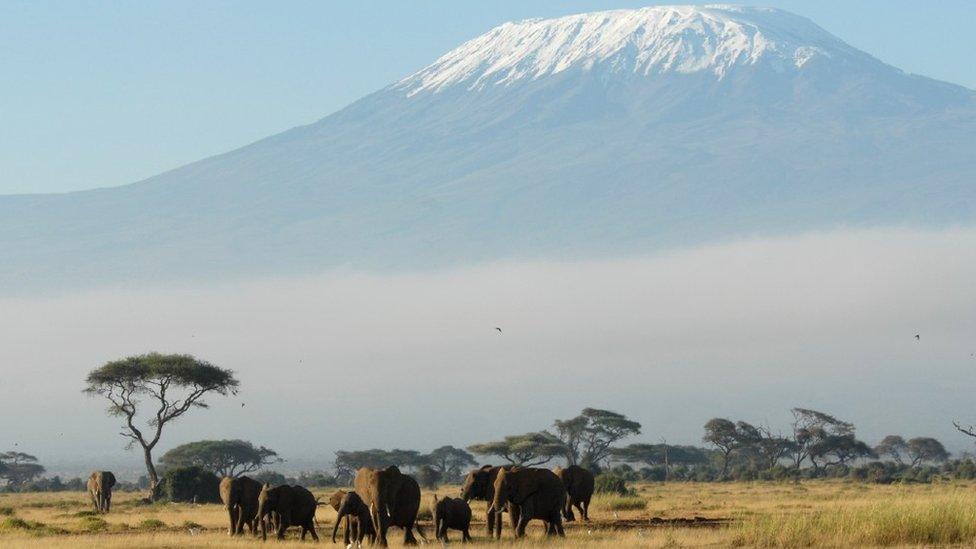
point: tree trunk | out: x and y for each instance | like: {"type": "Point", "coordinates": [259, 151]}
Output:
{"type": "Point", "coordinates": [151, 473]}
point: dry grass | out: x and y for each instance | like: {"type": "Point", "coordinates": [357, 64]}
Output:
{"type": "Point", "coordinates": [827, 514]}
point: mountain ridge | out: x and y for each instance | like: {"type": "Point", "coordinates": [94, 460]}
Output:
{"type": "Point", "coordinates": [574, 163]}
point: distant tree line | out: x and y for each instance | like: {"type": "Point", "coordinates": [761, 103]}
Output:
{"type": "Point", "coordinates": [816, 445]}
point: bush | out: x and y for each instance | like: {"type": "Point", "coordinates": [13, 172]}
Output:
{"type": "Point", "coordinates": [93, 524]}
{"type": "Point", "coordinates": [152, 523]}
{"type": "Point", "coordinates": [190, 484]}
{"type": "Point", "coordinates": [273, 478]}
{"type": "Point", "coordinates": [428, 477]}
{"type": "Point", "coordinates": [6, 511]}
{"type": "Point", "coordinates": [609, 483]}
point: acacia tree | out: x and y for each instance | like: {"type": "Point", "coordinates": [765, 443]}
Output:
{"type": "Point", "coordinates": [450, 462]}
{"type": "Point", "coordinates": [588, 438]}
{"type": "Point", "coordinates": [810, 429]}
{"type": "Point", "coordinates": [230, 458]}
{"type": "Point", "coordinates": [19, 468]}
{"type": "Point", "coordinates": [893, 446]}
{"type": "Point", "coordinates": [723, 434]}
{"type": "Point", "coordinates": [169, 385]}
{"type": "Point", "coordinates": [922, 449]}
{"type": "Point", "coordinates": [765, 448]}
{"type": "Point", "coordinates": [527, 450]}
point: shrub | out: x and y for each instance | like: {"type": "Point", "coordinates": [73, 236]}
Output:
{"type": "Point", "coordinates": [273, 478]}
{"type": "Point", "coordinates": [608, 483]}
{"type": "Point", "coordinates": [625, 503]}
{"type": "Point", "coordinates": [190, 484]}
{"type": "Point", "coordinates": [152, 524]}
{"type": "Point", "coordinates": [6, 511]}
{"type": "Point", "coordinates": [93, 524]}
{"type": "Point", "coordinates": [428, 477]}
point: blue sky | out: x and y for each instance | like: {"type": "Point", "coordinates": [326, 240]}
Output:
{"type": "Point", "coordinates": [105, 93]}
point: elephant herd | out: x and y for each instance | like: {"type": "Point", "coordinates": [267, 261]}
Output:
{"type": "Point", "coordinates": [387, 497]}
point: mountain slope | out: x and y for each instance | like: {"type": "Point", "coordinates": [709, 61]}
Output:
{"type": "Point", "coordinates": [604, 133]}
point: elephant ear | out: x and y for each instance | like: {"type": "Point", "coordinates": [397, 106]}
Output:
{"type": "Point", "coordinates": [486, 468]}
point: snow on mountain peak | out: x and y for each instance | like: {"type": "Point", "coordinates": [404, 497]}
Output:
{"type": "Point", "coordinates": [681, 39]}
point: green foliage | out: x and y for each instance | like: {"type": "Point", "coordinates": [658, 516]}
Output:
{"type": "Point", "coordinates": [609, 483]}
{"type": "Point", "coordinates": [190, 484]}
{"type": "Point", "coordinates": [588, 438]}
{"type": "Point", "coordinates": [152, 524]}
{"type": "Point", "coordinates": [19, 469]}
{"type": "Point", "coordinates": [93, 524]}
{"type": "Point", "coordinates": [428, 477]}
{"type": "Point", "coordinates": [528, 450]}
{"type": "Point", "coordinates": [450, 462]}
{"type": "Point", "coordinates": [274, 478]}
{"type": "Point", "coordinates": [223, 457]}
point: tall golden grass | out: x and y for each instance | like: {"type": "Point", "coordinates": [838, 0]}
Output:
{"type": "Point", "coordinates": [809, 514]}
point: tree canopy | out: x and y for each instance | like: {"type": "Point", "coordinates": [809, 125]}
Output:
{"type": "Point", "coordinates": [19, 468]}
{"type": "Point", "coordinates": [169, 384]}
{"type": "Point", "coordinates": [230, 458]}
{"type": "Point", "coordinates": [528, 450]}
{"type": "Point", "coordinates": [588, 438]}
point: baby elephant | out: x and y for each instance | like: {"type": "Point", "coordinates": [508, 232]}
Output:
{"type": "Point", "coordinates": [453, 513]}
{"type": "Point", "coordinates": [359, 524]}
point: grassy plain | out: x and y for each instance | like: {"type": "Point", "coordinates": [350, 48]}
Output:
{"type": "Point", "coordinates": [808, 514]}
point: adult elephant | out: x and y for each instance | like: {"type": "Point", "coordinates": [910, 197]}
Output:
{"type": "Point", "coordinates": [393, 499]}
{"type": "Point", "coordinates": [100, 485]}
{"type": "Point", "coordinates": [290, 505]}
{"type": "Point", "coordinates": [353, 510]}
{"type": "Point", "coordinates": [533, 494]}
{"type": "Point", "coordinates": [240, 497]}
{"type": "Point", "coordinates": [579, 490]}
{"type": "Point", "coordinates": [479, 484]}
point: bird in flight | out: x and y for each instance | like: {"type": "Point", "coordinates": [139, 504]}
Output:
{"type": "Point", "coordinates": [499, 329]}
{"type": "Point", "coordinates": [917, 337]}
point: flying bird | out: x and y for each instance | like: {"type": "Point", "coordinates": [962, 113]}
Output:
{"type": "Point", "coordinates": [242, 405]}
{"type": "Point", "coordinates": [917, 337]}
{"type": "Point", "coordinates": [499, 329]}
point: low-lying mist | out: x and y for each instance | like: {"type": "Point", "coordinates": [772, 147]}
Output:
{"type": "Point", "coordinates": [745, 330]}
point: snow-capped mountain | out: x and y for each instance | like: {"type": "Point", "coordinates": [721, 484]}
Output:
{"type": "Point", "coordinates": [606, 133]}
{"type": "Point", "coordinates": [649, 41]}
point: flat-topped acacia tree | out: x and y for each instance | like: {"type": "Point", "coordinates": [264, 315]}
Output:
{"type": "Point", "coordinates": [169, 385]}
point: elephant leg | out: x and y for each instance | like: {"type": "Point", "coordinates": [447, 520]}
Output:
{"type": "Point", "coordinates": [585, 510]}
{"type": "Point", "coordinates": [465, 535]}
{"type": "Point", "coordinates": [283, 522]}
{"type": "Point", "coordinates": [515, 516]}
{"type": "Point", "coordinates": [491, 522]}
{"type": "Point", "coordinates": [351, 528]}
{"type": "Point", "coordinates": [233, 521]}
{"type": "Point", "coordinates": [408, 537]}
{"type": "Point", "coordinates": [311, 529]}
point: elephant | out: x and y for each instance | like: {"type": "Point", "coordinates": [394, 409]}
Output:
{"type": "Point", "coordinates": [479, 484]}
{"type": "Point", "coordinates": [288, 505]}
{"type": "Point", "coordinates": [240, 497]}
{"type": "Point", "coordinates": [100, 485]}
{"type": "Point", "coordinates": [535, 494]}
{"type": "Point", "coordinates": [453, 513]}
{"type": "Point", "coordinates": [359, 524]}
{"type": "Point", "coordinates": [393, 499]}
{"type": "Point", "coordinates": [579, 490]}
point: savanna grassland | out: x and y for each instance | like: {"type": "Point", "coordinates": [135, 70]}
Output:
{"type": "Point", "coordinates": [813, 513]}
